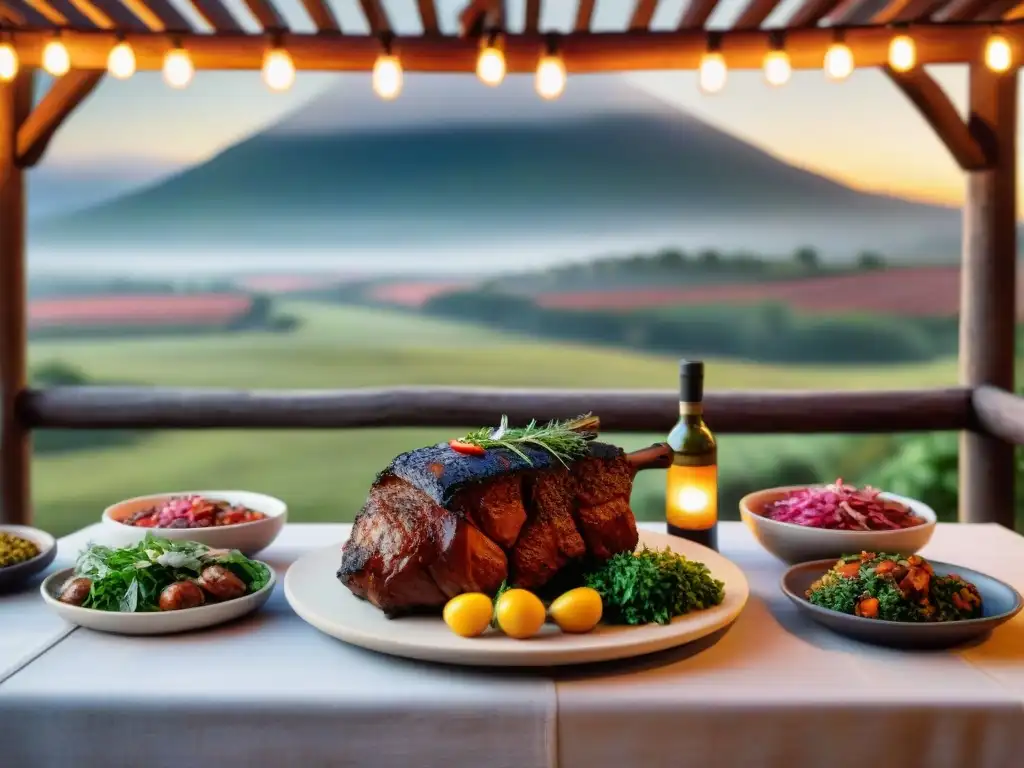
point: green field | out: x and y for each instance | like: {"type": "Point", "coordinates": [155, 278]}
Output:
{"type": "Point", "coordinates": [324, 475]}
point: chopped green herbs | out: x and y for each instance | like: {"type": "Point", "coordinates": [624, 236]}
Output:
{"type": "Point", "coordinates": [565, 440]}
{"type": "Point", "coordinates": [131, 579]}
{"type": "Point", "coordinates": [651, 586]}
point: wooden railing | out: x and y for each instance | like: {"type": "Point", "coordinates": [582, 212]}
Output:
{"type": "Point", "coordinates": [985, 412]}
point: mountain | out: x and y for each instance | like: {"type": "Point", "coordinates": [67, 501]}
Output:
{"type": "Point", "coordinates": [453, 162]}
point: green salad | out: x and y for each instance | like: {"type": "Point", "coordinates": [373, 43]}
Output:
{"type": "Point", "coordinates": [160, 575]}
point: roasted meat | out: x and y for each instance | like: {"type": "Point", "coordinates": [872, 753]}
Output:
{"type": "Point", "coordinates": [438, 523]}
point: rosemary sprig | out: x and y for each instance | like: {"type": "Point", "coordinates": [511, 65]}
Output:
{"type": "Point", "coordinates": [565, 440]}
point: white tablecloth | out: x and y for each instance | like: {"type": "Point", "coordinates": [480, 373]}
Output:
{"type": "Point", "coordinates": [773, 690]}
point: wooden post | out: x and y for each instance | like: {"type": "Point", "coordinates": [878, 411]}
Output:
{"type": "Point", "coordinates": [988, 292]}
{"type": "Point", "coordinates": [15, 440]}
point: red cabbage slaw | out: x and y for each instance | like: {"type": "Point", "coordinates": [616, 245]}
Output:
{"type": "Point", "coordinates": [841, 507]}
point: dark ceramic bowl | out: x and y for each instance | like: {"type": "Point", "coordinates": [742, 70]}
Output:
{"type": "Point", "coordinates": [13, 576]}
{"type": "Point", "coordinates": [1000, 601]}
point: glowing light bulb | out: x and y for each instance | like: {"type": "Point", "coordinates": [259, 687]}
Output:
{"type": "Point", "coordinates": [712, 73]}
{"type": "Point", "coordinates": [998, 56]}
{"type": "Point", "coordinates": [178, 69]}
{"type": "Point", "coordinates": [8, 62]}
{"type": "Point", "coordinates": [490, 66]}
{"type": "Point", "coordinates": [551, 77]}
{"type": "Point", "coordinates": [776, 68]}
{"type": "Point", "coordinates": [902, 54]}
{"type": "Point", "coordinates": [838, 62]}
{"type": "Point", "coordinates": [56, 59]}
{"type": "Point", "coordinates": [121, 61]}
{"type": "Point", "coordinates": [387, 77]}
{"type": "Point", "coordinates": [278, 70]}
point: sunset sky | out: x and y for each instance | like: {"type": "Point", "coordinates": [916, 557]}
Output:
{"type": "Point", "coordinates": [862, 132]}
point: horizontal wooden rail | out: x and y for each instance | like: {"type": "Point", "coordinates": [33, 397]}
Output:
{"type": "Point", "coordinates": [620, 411]}
{"type": "Point", "coordinates": [582, 53]}
{"type": "Point", "coordinates": [1000, 413]}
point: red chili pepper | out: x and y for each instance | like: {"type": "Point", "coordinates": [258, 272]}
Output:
{"type": "Point", "coordinates": [467, 448]}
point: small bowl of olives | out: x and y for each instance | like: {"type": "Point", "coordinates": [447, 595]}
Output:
{"type": "Point", "coordinates": [24, 552]}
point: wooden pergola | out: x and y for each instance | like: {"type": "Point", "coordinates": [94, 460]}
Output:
{"type": "Point", "coordinates": [983, 408]}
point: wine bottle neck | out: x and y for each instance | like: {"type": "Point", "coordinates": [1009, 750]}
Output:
{"type": "Point", "coordinates": [687, 409]}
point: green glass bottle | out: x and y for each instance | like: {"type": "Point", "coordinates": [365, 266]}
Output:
{"type": "Point", "coordinates": [691, 498]}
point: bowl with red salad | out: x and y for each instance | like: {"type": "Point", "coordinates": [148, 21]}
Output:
{"type": "Point", "coordinates": [801, 523]}
{"type": "Point", "coordinates": [240, 520]}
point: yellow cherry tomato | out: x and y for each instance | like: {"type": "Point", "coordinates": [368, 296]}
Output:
{"type": "Point", "coordinates": [469, 614]}
{"type": "Point", "coordinates": [578, 610]}
{"type": "Point", "coordinates": [520, 614]}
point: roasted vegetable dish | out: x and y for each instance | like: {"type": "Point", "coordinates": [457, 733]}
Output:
{"type": "Point", "coordinates": [161, 575]}
{"type": "Point", "coordinates": [15, 550]}
{"type": "Point", "coordinates": [895, 588]}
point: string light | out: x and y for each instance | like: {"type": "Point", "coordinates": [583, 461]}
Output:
{"type": "Point", "coordinates": [178, 69]}
{"type": "Point", "coordinates": [490, 64]}
{"type": "Point", "coordinates": [998, 55]}
{"type": "Point", "coordinates": [56, 59]}
{"type": "Point", "coordinates": [838, 60]}
{"type": "Point", "coordinates": [278, 69]}
{"type": "Point", "coordinates": [902, 53]}
{"type": "Point", "coordinates": [387, 76]}
{"type": "Point", "coordinates": [551, 75]}
{"type": "Point", "coordinates": [777, 69]}
{"type": "Point", "coordinates": [8, 62]}
{"type": "Point", "coordinates": [712, 74]}
{"type": "Point", "coordinates": [121, 61]}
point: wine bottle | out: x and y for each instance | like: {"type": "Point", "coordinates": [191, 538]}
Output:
{"type": "Point", "coordinates": [691, 499]}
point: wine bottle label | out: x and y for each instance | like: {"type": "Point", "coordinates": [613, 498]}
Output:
{"type": "Point", "coordinates": [690, 409]}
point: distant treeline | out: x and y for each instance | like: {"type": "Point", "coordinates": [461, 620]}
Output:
{"type": "Point", "coordinates": [673, 265]}
{"type": "Point", "coordinates": [56, 287]}
{"type": "Point", "coordinates": [763, 333]}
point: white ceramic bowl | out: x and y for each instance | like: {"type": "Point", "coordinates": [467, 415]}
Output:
{"type": "Point", "coordinates": [248, 538]}
{"type": "Point", "coordinates": [794, 543]}
{"type": "Point", "coordinates": [151, 623]}
{"type": "Point", "coordinates": [13, 576]}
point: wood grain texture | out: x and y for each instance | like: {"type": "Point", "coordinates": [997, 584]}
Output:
{"type": "Point", "coordinates": [935, 106]}
{"type": "Point", "coordinates": [641, 411]}
{"type": "Point", "coordinates": [49, 114]}
{"type": "Point", "coordinates": [15, 439]}
{"type": "Point", "coordinates": [988, 292]}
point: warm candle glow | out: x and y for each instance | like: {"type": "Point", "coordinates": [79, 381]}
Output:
{"type": "Point", "coordinates": [998, 56]}
{"type": "Point", "coordinates": [8, 62]}
{"type": "Point", "coordinates": [278, 70]}
{"type": "Point", "coordinates": [56, 59]}
{"type": "Point", "coordinates": [691, 501]}
{"type": "Point", "coordinates": [713, 72]}
{"type": "Point", "coordinates": [178, 69]}
{"type": "Point", "coordinates": [387, 77]}
{"type": "Point", "coordinates": [776, 68]}
{"type": "Point", "coordinates": [551, 77]}
{"type": "Point", "coordinates": [121, 61]}
{"type": "Point", "coordinates": [838, 62]}
{"type": "Point", "coordinates": [902, 54]}
{"type": "Point", "coordinates": [490, 66]}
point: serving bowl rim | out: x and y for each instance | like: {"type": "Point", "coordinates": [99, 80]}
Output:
{"type": "Point", "coordinates": [925, 626]}
{"type": "Point", "coordinates": [281, 509]}
{"type": "Point", "coordinates": [915, 505]}
{"type": "Point", "coordinates": [29, 531]}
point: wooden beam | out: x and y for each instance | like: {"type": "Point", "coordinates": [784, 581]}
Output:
{"type": "Point", "coordinates": [15, 439]}
{"type": "Point", "coordinates": [158, 15]}
{"type": "Point", "coordinates": [428, 16]}
{"type": "Point", "coordinates": [988, 292]}
{"type": "Point", "coordinates": [904, 11]}
{"type": "Point", "coordinates": [855, 12]}
{"type": "Point", "coordinates": [267, 15]}
{"type": "Point", "coordinates": [376, 16]}
{"type": "Point", "coordinates": [642, 14]}
{"type": "Point", "coordinates": [591, 53]}
{"type": "Point", "coordinates": [584, 15]}
{"type": "Point", "coordinates": [629, 411]}
{"type": "Point", "coordinates": [696, 14]}
{"type": "Point", "coordinates": [24, 14]}
{"type": "Point", "coordinates": [100, 18]}
{"type": "Point", "coordinates": [755, 12]}
{"type": "Point", "coordinates": [47, 11]}
{"type": "Point", "coordinates": [999, 413]}
{"type": "Point", "coordinates": [122, 17]}
{"type": "Point", "coordinates": [962, 10]}
{"type": "Point", "coordinates": [811, 12]}
{"type": "Point", "coordinates": [39, 127]}
{"type": "Point", "coordinates": [939, 112]}
{"type": "Point", "coordinates": [1015, 13]}
{"type": "Point", "coordinates": [216, 14]}
{"type": "Point", "coordinates": [532, 22]}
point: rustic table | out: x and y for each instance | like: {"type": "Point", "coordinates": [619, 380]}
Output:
{"type": "Point", "coordinates": [773, 690]}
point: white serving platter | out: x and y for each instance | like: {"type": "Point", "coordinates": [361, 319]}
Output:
{"type": "Point", "coordinates": [152, 623]}
{"type": "Point", "coordinates": [316, 595]}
